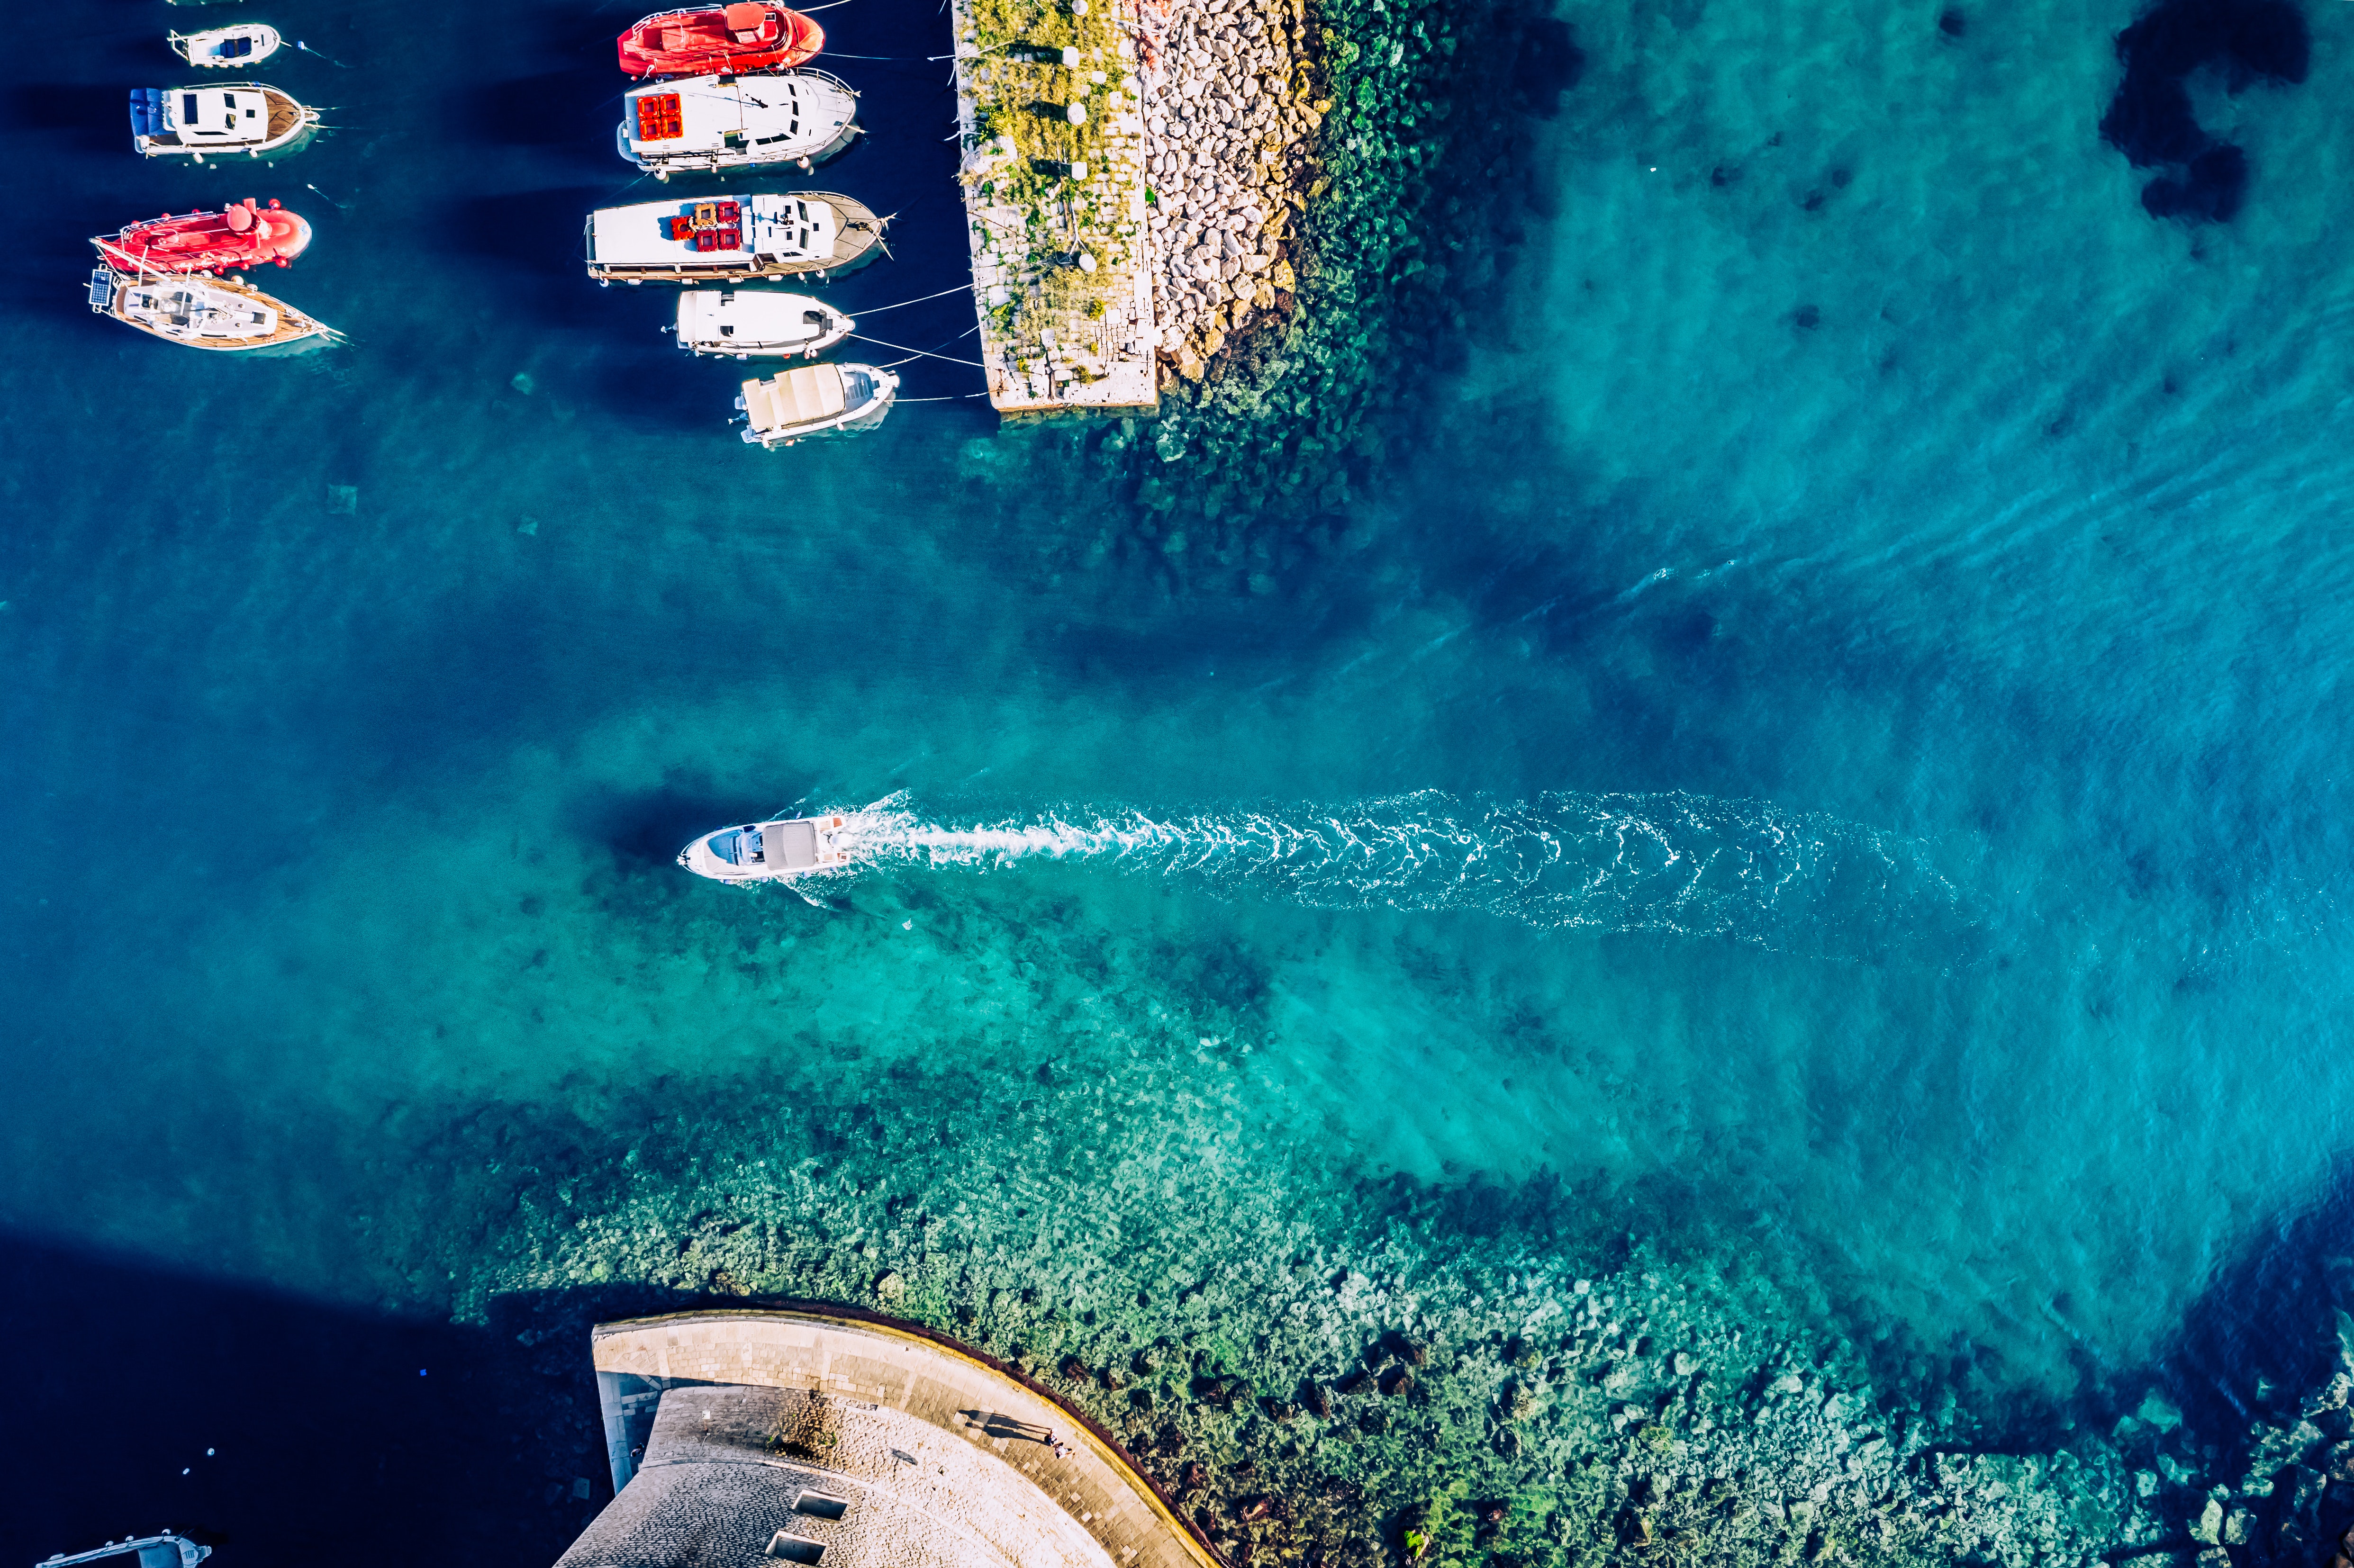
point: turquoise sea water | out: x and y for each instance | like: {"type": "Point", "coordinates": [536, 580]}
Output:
{"type": "Point", "coordinates": [1838, 699]}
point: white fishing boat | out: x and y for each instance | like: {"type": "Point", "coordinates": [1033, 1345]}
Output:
{"type": "Point", "coordinates": [227, 48]}
{"type": "Point", "coordinates": [162, 1550]}
{"type": "Point", "coordinates": [200, 121]}
{"type": "Point", "coordinates": [765, 322]}
{"type": "Point", "coordinates": [202, 312]}
{"type": "Point", "coordinates": [800, 118]}
{"type": "Point", "coordinates": [814, 400]}
{"type": "Point", "coordinates": [769, 852]}
{"type": "Point", "coordinates": [733, 239]}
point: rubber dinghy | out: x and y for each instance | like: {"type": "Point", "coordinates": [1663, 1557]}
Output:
{"type": "Point", "coordinates": [719, 39]}
{"type": "Point", "coordinates": [241, 235]}
{"type": "Point", "coordinates": [769, 852]}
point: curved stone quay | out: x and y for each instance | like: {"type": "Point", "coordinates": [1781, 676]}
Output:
{"type": "Point", "coordinates": [763, 1436]}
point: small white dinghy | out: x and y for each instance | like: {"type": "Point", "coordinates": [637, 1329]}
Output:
{"type": "Point", "coordinates": [814, 400]}
{"type": "Point", "coordinates": [196, 121]}
{"type": "Point", "coordinates": [225, 48]}
{"type": "Point", "coordinates": [769, 852]}
{"type": "Point", "coordinates": [766, 322]}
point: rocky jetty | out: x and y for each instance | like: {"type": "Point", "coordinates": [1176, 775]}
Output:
{"type": "Point", "coordinates": [1229, 112]}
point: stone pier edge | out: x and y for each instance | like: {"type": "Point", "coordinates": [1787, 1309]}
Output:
{"type": "Point", "coordinates": [1107, 1447]}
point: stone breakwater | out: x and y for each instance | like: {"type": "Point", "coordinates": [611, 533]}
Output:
{"type": "Point", "coordinates": [1229, 112]}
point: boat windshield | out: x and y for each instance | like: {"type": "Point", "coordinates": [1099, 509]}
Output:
{"type": "Point", "coordinates": [737, 846]}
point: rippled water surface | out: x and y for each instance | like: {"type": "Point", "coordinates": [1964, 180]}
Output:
{"type": "Point", "coordinates": [1830, 729]}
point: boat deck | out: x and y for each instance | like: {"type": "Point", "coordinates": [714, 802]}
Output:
{"type": "Point", "coordinates": [285, 115]}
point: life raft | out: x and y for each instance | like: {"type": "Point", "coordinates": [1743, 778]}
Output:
{"type": "Point", "coordinates": [746, 36]}
{"type": "Point", "coordinates": [239, 235]}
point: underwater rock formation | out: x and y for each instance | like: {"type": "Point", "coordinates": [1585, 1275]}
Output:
{"type": "Point", "coordinates": [2150, 120]}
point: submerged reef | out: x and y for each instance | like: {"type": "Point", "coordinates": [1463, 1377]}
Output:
{"type": "Point", "coordinates": [2150, 120]}
{"type": "Point", "coordinates": [1400, 137]}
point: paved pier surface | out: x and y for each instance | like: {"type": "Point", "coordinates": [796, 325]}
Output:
{"type": "Point", "coordinates": [1061, 259]}
{"type": "Point", "coordinates": [861, 1444]}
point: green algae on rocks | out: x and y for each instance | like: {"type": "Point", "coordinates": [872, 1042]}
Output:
{"type": "Point", "coordinates": [1418, 166]}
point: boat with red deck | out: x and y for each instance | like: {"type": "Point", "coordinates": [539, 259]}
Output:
{"type": "Point", "coordinates": [241, 235]}
{"type": "Point", "coordinates": [748, 35]}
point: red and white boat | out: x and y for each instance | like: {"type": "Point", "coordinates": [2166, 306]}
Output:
{"type": "Point", "coordinates": [718, 39]}
{"type": "Point", "coordinates": [243, 234]}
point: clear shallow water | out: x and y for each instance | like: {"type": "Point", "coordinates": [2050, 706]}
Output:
{"type": "Point", "coordinates": [355, 706]}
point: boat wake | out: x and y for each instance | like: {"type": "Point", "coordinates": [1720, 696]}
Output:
{"type": "Point", "coordinates": [1665, 863]}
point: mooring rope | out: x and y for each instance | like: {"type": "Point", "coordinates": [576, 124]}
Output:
{"type": "Point", "coordinates": [878, 310]}
{"type": "Point", "coordinates": [918, 353]}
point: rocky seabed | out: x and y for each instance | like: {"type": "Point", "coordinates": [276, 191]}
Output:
{"type": "Point", "coordinates": [1226, 127]}
{"type": "Point", "coordinates": [1326, 1376]}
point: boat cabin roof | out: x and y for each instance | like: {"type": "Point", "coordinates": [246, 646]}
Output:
{"type": "Point", "coordinates": [223, 115]}
{"type": "Point", "coordinates": [801, 397]}
{"type": "Point", "coordinates": [665, 233]}
{"type": "Point", "coordinates": [703, 113]}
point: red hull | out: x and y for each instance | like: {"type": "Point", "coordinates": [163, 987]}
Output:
{"type": "Point", "coordinates": [723, 38]}
{"type": "Point", "coordinates": [238, 237]}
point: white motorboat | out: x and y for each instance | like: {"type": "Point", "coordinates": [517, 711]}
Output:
{"type": "Point", "coordinates": [225, 49]}
{"type": "Point", "coordinates": [766, 322]}
{"type": "Point", "coordinates": [814, 400]}
{"type": "Point", "coordinates": [201, 312]}
{"type": "Point", "coordinates": [770, 851]}
{"type": "Point", "coordinates": [162, 1550]}
{"type": "Point", "coordinates": [707, 123]}
{"type": "Point", "coordinates": [200, 121]}
{"type": "Point", "coordinates": [733, 239]}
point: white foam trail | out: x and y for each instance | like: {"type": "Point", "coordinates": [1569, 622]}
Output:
{"type": "Point", "coordinates": [1673, 862]}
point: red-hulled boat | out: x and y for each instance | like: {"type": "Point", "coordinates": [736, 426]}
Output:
{"type": "Point", "coordinates": [239, 236]}
{"type": "Point", "coordinates": [748, 35]}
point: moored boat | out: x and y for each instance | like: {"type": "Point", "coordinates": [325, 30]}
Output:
{"type": "Point", "coordinates": [218, 313]}
{"type": "Point", "coordinates": [765, 322]}
{"type": "Point", "coordinates": [815, 400]}
{"type": "Point", "coordinates": [712, 122]}
{"type": "Point", "coordinates": [240, 235]}
{"type": "Point", "coordinates": [747, 35]}
{"type": "Point", "coordinates": [247, 117]}
{"type": "Point", "coordinates": [227, 48]}
{"type": "Point", "coordinates": [769, 852]}
{"type": "Point", "coordinates": [814, 234]}
{"type": "Point", "coordinates": [162, 1550]}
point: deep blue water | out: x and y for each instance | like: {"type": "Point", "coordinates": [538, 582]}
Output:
{"type": "Point", "coordinates": [1865, 505]}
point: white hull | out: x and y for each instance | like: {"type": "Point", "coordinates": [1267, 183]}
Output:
{"type": "Point", "coordinates": [769, 852]}
{"type": "Point", "coordinates": [796, 119]}
{"type": "Point", "coordinates": [814, 400]}
{"type": "Point", "coordinates": [241, 118]}
{"type": "Point", "coordinates": [743, 323]}
{"type": "Point", "coordinates": [816, 234]}
{"type": "Point", "coordinates": [220, 315]}
{"type": "Point", "coordinates": [214, 49]}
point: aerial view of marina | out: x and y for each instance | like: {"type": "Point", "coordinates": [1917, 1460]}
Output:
{"type": "Point", "coordinates": [1179, 784]}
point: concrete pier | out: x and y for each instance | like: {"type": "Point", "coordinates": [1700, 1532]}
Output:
{"type": "Point", "coordinates": [1049, 111]}
{"type": "Point", "coordinates": [814, 1439]}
